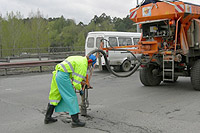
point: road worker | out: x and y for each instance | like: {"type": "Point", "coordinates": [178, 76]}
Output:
{"type": "Point", "coordinates": [68, 76]}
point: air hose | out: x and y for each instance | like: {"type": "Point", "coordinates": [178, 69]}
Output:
{"type": "Point", "coordinates": [85, 103]}
{"type": "Point", "coordinates": [108, 64]}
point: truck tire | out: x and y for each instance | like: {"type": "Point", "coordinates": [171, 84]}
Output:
{"type": "Point", "coordinates": [195, 75]}
{"type": "Point", "coordinates": [126, 66]}
{"type": "Point", "coordinates": [148, 78]}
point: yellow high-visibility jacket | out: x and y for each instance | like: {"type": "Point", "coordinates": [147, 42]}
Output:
{"type": "Point", "coordinates": [76, 66]}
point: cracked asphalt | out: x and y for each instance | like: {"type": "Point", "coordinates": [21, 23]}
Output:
{"type": "Point", "coordinates": [117, 105]}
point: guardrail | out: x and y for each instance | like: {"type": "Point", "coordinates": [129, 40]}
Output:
{"type": "Point", "coordinates": [50, 56]}
{"type": "Point", "coordinates": [7, 66]}
{"type": "Point", "coordinates": [51, 50]}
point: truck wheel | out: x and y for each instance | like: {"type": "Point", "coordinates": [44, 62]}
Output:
{"type": "Point", "coordinates": [148, 78]}
{"type": "Point", "coordinates": [126, 66]}
{"type": "Point", "coordinates": [195, 75]}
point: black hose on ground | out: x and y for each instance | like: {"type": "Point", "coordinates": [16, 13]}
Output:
{"type": "Point", "coordinates": [108, 64]}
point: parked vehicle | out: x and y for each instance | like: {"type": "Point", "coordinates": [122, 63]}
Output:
{"type": "Point", "coordinates": [118, 59]}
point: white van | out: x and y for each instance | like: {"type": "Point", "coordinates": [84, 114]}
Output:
{"type": "Point", "coordinates": [118, 59]}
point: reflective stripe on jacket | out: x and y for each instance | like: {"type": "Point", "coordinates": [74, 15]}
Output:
{"type": "Point", "coordinates": [77, 67]}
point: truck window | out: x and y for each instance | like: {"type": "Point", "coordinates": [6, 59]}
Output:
{"type": "Point", "coordinates": [113, 41]}
{"type": "Point", "coordinates": [124, 41]}
{"type": "Point", "coordinates": [98, 40]}
{"type": "Point", "coordinates": [90, 42]}
{"type": "Point", "coordinates": [136, 40]}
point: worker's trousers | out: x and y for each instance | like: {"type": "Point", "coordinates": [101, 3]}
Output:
{"type": "Point", "coordinates": [69, 101]}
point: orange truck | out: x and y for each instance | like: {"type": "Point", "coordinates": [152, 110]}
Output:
{"type": "Point", "coordinates": [170, 41]}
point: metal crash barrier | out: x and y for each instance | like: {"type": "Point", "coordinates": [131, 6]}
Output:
{"type": "Point", "coordinates": [7, 66]}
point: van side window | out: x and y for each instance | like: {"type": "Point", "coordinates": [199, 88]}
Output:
{"type": "Point", "coordinates": [90, 42]}
{"type": "Point", "coordinates": [124, 41]}
{"type": "Point", "coordinates": [98, 41]}
{"type": "Point", "coordinates": [113, 41]}
{"type": "Point", "coordinates": [136, 40]}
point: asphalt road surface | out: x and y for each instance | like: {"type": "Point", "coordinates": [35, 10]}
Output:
{"type": "Point", "coordinates": [117, 105]}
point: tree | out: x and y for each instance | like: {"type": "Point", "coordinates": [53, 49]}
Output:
{"type": "Point", "coordinates": [59, 24]}
{"type": "Point", "coordinates": [129, 24]}
{"type": "Point", "coordinates": [39, 31]}
{"type": "Point", "coordinates": [1, 45]}
{"type": "Point", "coordinates": [125, 24]}
{"type": "Point", "coordinates": [12, 31]}
{"type": "Point", "coordinates": [103, 22]}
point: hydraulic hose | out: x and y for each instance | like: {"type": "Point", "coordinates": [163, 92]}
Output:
{"type": "Point", "coordinates": [108, 64]}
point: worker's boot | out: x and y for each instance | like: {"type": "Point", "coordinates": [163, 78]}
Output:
{"type": "Point", "coordinates": [76, 122]}
{"type": "Point", "coordinates": [48, 119]}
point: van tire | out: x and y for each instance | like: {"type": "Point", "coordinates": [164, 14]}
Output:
{"type": "Point", "coordinates": [126, 66]}
{"type": "Point", "coordinates": [147, 78]}
{"type": "Point", "coordinates": [195, 75]}
{"type": "Point", "coordinates": [117, 68]}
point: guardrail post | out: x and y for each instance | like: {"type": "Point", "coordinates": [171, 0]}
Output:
{"type": "Point", "coordinates": [8, 59]}
{"type": "Point", "coordinates": [40, 58]}
{"type": "Point", "coordinates": [6, 71]}
{"type": "Point", "coordinates": [40, 68]}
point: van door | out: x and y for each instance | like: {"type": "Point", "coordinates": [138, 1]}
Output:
{"type": "Point", "coordinates": [89, 44]}
{"type": "Point", "coordinates": [98, 42]}
{"type": "Point", "coordinates": [125, 41]}
{"type": "Point", "coordinates": [118, 57]}
{"type": "Point", "coordinates": [112, 54]}
{"type": "Point", "coordinates": [93, 42]}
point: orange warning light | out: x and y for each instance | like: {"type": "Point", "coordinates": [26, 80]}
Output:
{"type": "Point", "coordinates": [172, 22]}
{"type": "Point", "coordinates": [140, 25]}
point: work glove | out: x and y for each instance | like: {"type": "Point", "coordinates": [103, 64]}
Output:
{"type": "Point", "coordinates": [81, 92]}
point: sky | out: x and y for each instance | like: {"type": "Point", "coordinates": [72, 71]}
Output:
{"type": "Point", "coordinates": [78, 10]}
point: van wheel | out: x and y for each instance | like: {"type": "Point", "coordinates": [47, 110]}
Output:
{"type": "Point", "coordinates": [126, 66]}
{"type": "Point", "coordinates": [195, 75]}
{"type": "Point", "coordinates": [117, 68]}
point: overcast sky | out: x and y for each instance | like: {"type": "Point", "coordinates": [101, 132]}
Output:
{"type": "Point", "coordinates": [79, 10]}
